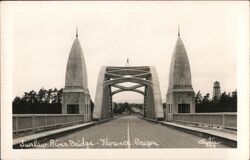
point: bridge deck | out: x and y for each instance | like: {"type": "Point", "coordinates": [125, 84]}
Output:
{"type": "Point", "coordinates": [129, 132]}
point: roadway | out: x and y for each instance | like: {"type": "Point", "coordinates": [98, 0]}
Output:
{"type": "Point", "coordinates": [129, 132]}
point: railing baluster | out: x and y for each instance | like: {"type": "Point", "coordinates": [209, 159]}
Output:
{"type": "Point", "coordinates": [55, 121]}
{"type": "Point", "coordinates": [38, 121]}
{"type": "Point", "coordinates": [223, 120]}
{"type": "Point", "coordinates": [17, 124]}
{"type": "Point", "coordinates": [210, 120]}
{"type": "Point", "coordinates": [33, 122]}
{"type": "Point", "coordinates": [46, 120]}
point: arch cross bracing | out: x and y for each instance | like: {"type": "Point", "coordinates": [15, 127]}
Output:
{"type": "Point", "coordinates": [144, 77]}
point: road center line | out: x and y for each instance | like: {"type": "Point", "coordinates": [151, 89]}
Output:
{"type": "Point", "coordinates": [128, 135]}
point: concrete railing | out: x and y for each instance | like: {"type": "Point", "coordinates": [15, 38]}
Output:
{"type": "Point", "coordinates": [25, 122]}
{"type": "Point", "coordinates": [223, 120]}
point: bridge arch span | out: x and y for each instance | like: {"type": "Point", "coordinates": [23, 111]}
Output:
{"type": "Point", "coordinates": [142, 76]}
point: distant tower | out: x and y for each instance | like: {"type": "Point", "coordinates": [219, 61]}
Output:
{"type": "Point", "coordinates": [180, 94]}
{"type": "Point", "coordinates": [216, 90]}
{"type": "Point", "coordinates": [76, 97]}
{"type": "Point", "coordinates": [127, 63]}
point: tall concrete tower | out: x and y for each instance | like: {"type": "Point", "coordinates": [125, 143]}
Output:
{"type": "Point", "coordinates": [76, 97]}
{"type": "Point", "coordinates": [180, 94]}
{"type": "Point", "coordinates": [216, 90]}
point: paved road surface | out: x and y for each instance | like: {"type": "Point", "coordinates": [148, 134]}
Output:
{"type": "Point", "coordinates": [129, 132]}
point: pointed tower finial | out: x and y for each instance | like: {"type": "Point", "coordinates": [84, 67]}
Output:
{"type": "Point", "coordinates": [178, 31]}
{"type": "Point", "coordinates": [76, 31]}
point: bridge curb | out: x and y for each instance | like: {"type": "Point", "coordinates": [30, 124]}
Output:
{"type": "Point", "coordinates": [223, 139]}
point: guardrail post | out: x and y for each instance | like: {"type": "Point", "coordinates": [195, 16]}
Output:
{"type": "Point", "coordinates": [16, 124]}
{"type": "Point", "coordinates": [63, 119]}
{"type": "Point", "coordinates": [46, 120]}
{"type": "Point", "coordinates": [210, 120]}
{"type": "Point", "coordinates": [33, 122]}
{"type": "Point", "coordinates": [55, 121]}
{"type": "Point", "coordinates": [223, 120]}
{"type": "Point", "coordinates": [84, 118]}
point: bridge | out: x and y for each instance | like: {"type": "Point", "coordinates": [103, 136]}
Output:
{"type": "Point", "coordinates": [176, 126]}
{"type": "Point", "coordinates": [71, 131]}
{"type": "Point", "coordinates": [144, 77]}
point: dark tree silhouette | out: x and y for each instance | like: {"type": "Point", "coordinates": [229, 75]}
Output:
{"type": "Point", "coordinates": [49, 102]}
{"type": "Point", "coordinates": [41, 102]}
{"type": "Point", "coordinates": [198, 98]}
{"type": "Point", "coordinates": [226, 103]}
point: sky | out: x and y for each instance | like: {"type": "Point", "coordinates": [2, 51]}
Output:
{"type": "Point", "coordinates": [42, 34]}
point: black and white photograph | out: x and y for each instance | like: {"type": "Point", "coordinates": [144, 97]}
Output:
{"type": "Point", "coordinates": [125, 80]}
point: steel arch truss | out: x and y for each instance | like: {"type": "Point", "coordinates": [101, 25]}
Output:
{"type": "Point", "coordinates": [142, 77]}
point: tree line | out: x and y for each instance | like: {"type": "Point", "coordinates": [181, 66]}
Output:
{"type": "Point", "coordinates": [42, 102]}
{"type": "Point", "coordinates": [49, 101]}
{"type": "Point", "coordinates": [226, 103]}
